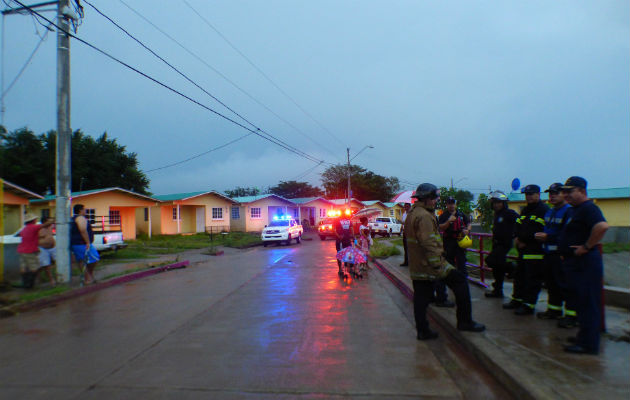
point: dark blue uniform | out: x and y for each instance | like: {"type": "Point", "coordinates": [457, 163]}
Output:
{"type": "Point", "coordinates": [584, 273]}
{"type": "Point", "coordinates": [529, 270]}
{"type": "Point", "coordinates": [554, 277]}
{"type": "Point", "coordinates": [502, 237]}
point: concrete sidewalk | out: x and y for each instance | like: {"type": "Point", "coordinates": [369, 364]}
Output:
{"type": "Point", "coordinates": [526, 354]}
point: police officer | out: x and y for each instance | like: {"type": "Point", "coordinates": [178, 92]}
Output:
{"type": "Point", "coordinates": [584, 229]}
{"type": "Point", "coordinates": [554, 280]}
{"type": "Point", "coordinates": [529, 269]}
{"type": "Point", "coordinates": [502, 237]}
{"type": "Point", "coordinates": [427, 264]}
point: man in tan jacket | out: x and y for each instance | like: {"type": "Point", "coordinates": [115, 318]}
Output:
{"type": "Point", "coordinates": [427, 264]}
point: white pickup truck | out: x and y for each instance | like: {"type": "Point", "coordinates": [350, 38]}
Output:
{"type": "Point", "coordinates": [282, 229]}
{"type": "Point", "coordinates": [102, 241]}
{"type": "Point", "coordinates": [385, 226]}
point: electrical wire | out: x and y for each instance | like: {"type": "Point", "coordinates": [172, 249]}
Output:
{"type": "Point", "coordinates": [187, 78]}
{"type": "Point", "coordinates": [202, 154]}
{"type": "Point", "coordinates": [226, 78]}
{"type": "Point", "coordinates": [261, 72]}
{"type": "Point", "coordinates": [256, 132]}
{"type": "Point", "coordinates": [27, 63]}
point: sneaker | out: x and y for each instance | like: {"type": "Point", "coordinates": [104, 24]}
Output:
{"type": "Point", "coordinates": [524, 310]}
{"type": "Point", "coordinates": [427, 335]}
{"type": "Point", "coordinates": [445, 304]}
{"type": "Point", "coordinates": [494, 294]}
{"type": "Point", "coordinates": [567, 322]}
{"type": "Point", "coordinates": [550, 314]}
{"type": "Point", "coordinates": [513, 304]}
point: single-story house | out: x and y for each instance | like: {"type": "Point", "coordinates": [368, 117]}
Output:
{"type": "Point", "coordinates": [355, 204]}
{"type": "Point", "coordinates": [188, 213]}
{"type": "Point", "coordinates": [110, 209]}
{"type": "Point", "coordinates": [395, 210]}
{"type": "Point", "coordinates": [377, 204]}
{"type": "Point", "coordinates": [253, 213]}
{"type": "Point", "coordinates": [313, 209]}
{"type": "Point", "coordinates": [614, 203]}
{"type": "Point", "coordinates": [14, 200]}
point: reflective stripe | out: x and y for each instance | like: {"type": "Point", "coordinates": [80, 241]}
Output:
{"type": "Point", "coordinates": [552, 247]}
{"type": "Point", "coordinates": [411, 240]}
{"type": "Point", "coordinates": [540, 221]}
{"type": "Point", "coordinates": [518, 221]}
{"type": "Point", "coordinates": [554, 308]}
{"type": "Point", "coordinates": [515, 299]}
{"type": "Point", "coordinates": [434, 260]}
{"type": "Point", "coordinates": [533, 256]}
{"type": "Point", "coordinates": [530, 305]}
{"type": "Point", "coordinates": [570, 313]}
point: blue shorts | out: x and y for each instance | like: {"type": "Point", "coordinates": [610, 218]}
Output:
{"type": "Point", "coordinates": [79, 253]}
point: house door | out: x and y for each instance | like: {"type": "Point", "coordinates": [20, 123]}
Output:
{"type": "Point", "coordinates": [201, 219]}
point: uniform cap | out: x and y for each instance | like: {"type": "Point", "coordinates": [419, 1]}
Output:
{"type": "Point", "coordinates": [531, 189]}
{"type": "Point", "coordinates": [426, 190]}
{"type": "Point", "coordinates": [575, 182]}
{"type": "Point", "coordinates": [498, 195]}
{"type": "Point", "coordinates": [554, 187]}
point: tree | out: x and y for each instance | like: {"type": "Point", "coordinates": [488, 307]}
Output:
{"type": "Point", "coordinates": [293, 189]}
{"type": "Point", "coordinates": [365, 185]}
{"type": "Point", "coordinates": [464, 199]}
{"type": "Point", "coordinates": [486, 213]}
{"type": "Point", "coordinates": [29, 161]}
{"type": "Point", "coordinates": [241, 192]}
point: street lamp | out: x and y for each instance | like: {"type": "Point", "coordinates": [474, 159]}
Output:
{"type": "Point", "coordinates": [350, 159]}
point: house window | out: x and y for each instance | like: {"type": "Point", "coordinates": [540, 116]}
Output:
{"type": "Point", "coordinates": [255, 213]}
{"type": "Point", "coordinates": [391, 213]}
{"type": "Point", "coordinates": [296, 213]}
{"type": "Point", "coordinates": [45, 213]}
{"type": "Point", "coordinates": [236, 213]}
{"type": "Point", "coordinates": [90, 215]}
{"type": "Point", "coordinates": [146, 214]}
{"type": "Point", "coordinates": [217, 213]}
{"type": "Point", "coordinates": [114, 217]}
{"type": "Point", "coordinates": [322, 213]}
{"type": "Point", "coordinates": [175, 214]}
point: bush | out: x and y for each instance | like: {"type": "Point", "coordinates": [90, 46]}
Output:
{"type": "Point", "coordinates": [382, 250]}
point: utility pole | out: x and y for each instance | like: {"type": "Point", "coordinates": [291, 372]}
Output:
{"type": "Point", "coordinates": [62, 173]}
{"type": "Point", "coordinates": [348, 197]}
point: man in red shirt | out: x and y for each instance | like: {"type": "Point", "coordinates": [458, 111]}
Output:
{"type": "Point", "coordinates": [28, 249]}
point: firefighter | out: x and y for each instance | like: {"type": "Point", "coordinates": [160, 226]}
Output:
{"type": "Point", "coordinates": [528, 276]}
{"type": "Point", "coordinates": [554, 280]}
{"type": "Point", "coordinates": [427, 264]}
{"type": "Point", "coordinates": [502, 237]}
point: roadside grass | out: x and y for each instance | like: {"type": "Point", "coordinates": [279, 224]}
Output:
{"type": "Point", "coordinates": [397, 242]}
{"type": "Point", "coordinates": [41, 293]}
{"type": "Point", "coordinates": [382, 250]}
{"type": "Point", "coordinates": [615, 247]}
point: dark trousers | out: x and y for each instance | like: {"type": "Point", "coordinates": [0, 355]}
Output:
{"type": "Point", "coordinates": [554, 281]}
{"type": "Point", "coordinates": [455, 255]}
{"type": "Point", "coordinates": [498, 262]}
{"type": "Point", "coordinates": [528, 279]}
{"type": "Point", "coordinates": [406, 258]}
{"type": "Point", "coordinates": [584, 278]}
{"type": "Point", "coordinates": [423, 290]}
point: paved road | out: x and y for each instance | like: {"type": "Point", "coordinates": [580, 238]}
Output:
{"type": "Point", "coordinates": [261, 323]}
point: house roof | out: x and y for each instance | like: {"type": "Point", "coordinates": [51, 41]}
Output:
{"type": "Point", "coordinates": [369, 203]}
{"type": "Point", "coordinates": [52, 197]}
{"type": "Point", "coordinates": [610, 193]}
{"type": "Point", "coordinates": [304, 200]}
{"type": "Point", "coordinates": [19, 190]}
{"type": "Point", "coordinates": [341, 202]}
{"type": "Point", "coordinates": [390, 204]}
{"type": "Point", "coordinates": [186, 196]}
{"type": "Point", "coordinates": [251, 199]}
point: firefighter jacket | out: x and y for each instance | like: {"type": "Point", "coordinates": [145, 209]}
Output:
{"type": "Point", "coordinates": [554, 221]}
{"type": "Point", "coordinates": [503, 228]}
{"type": "Point", "coordinates": [424, 245]}
{"type": "Point", "coordinates": [531, 221]}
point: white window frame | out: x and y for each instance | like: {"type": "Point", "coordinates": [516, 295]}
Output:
{"type": "Point", "coordinates": [323, 213]}
{"type": "Point", "coordinates": [237, 214]}
{"type": "Point", "coordinates": [391, 212]}
{"type": "Point", "coordinates": [252, 213]}
{"type": "Point", "coordinates": [175, 214]}
{"type": "Point", "coordinates": [90, 215]}
{"type": "Point", "coordinates": [114, 217]}
{"type": "Point", "coordinates": [219, 213]}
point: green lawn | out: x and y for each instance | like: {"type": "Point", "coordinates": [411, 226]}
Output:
{"type": "Point", "coordinates": [383, 250]}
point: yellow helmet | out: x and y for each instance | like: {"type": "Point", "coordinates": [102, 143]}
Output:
{"type": "Point", "coordinates": [465, 242]}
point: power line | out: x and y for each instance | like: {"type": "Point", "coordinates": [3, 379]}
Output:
{"type": "Point", "coordinates": [256, 132]}
{"type": "Point", "coordinates": [27, 63]}
{"type": "Point", "coordinates": [186, 77]}
{"type": "Point", "coordinates": [204, 153]}
{"type": "Point", "coordinates": [225, 77]}
{"type": "Point", "coordinates": [261, 72]}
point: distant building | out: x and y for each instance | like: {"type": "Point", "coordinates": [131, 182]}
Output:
{"type": "Point", "coordinates": [14, 201]}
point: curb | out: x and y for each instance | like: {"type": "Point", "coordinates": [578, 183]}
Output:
{"type": "Point", "coordinates": [506, 376]}
{"type": "Point", "coordinates": [70, 294]}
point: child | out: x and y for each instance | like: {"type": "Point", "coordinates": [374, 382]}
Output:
{"type": "Point", "coordinates": [365, 241]}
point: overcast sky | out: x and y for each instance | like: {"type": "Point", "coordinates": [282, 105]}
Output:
{"type": "Point", "coordinates": [479, 92]}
